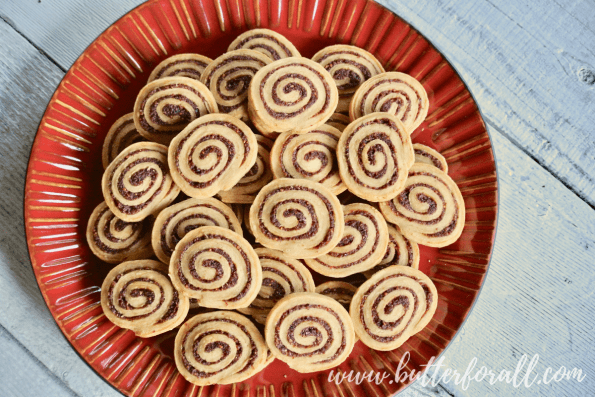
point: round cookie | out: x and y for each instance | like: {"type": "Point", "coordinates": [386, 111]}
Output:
{"type": "Point", "coordinates": [138, 182]}
{"type": "Point", "coordinates": [270, 43]}
{"type": "Point", "coordinates": [339, 121]}
{"type": "Point", "coordinates": [217, 267]}
{"type": "Point", "coordinates": [121, 134]}
{"type": "Point", "coordinates": [291, 94]}
{"type": "Point", "coordinates": [427, 155]}
{"type": "Point", "coordinates": [400, 252]}
{"type": "Point", "coordinates": [174, 222]}
{"type": "Point", "coordinates": [363, 243]}
{"type": "Point", "coordinates": [211, 154]}
{"type": "Point", "coordinates": [309, 332]}
{"type": "Point", "coordinates": [219, 347]}
{"type": "Point", "coordinates": [393, 92]}
{"type": "Point", "coordinates": [374, 154]}
{"type": "Point", "coordinates": [312, 156]}
{"type": "Point", "coordinates": [114, 240]}
{"type": "Point", "coordinates": [138, 295]}
{"type": "Point", "coordinates": [164, 107]}
{"type": "Point", "coordinates": [299, 217]}
{"type": "Point", "coordinates": [181, 65]}
{"type": "Point", "coordinates": [350, 66]}
{"type": "Point", "coordinates": [340, 291]}
{"type": "Point", "coordinates": [430, 210]}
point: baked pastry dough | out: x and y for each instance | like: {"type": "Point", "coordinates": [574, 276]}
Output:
{"type": "Point", "coordinates": [122, 134]}
{"type": "Point", "coordinates": [174, 222]}
{"type": "Point", "coordinates": [427, 155]}
{"type": "Point", "coordinates": [430, 210]}
{"type": "Point", "coordinates": [268, 42]}
{"type": "Point", "coordinates": [310, 332]}
{"type": "Point", "coordinates": [340, 291]}
{"type": "Point", "coordinates": [217, 267]}
{"type": "Point", "coordinates": [297, 216]}
{"type": "Point", "coordinates": [291, 94]}
{"type": "Point", "coordinates": [392, 305]}
{"type": "Point", "coordinates": [181, 65]}
{"type": "Point", "coordinates": [311, 156]}
{"type": "Point", "coordinates": [229, 76]}
{"type": "Point", "coordinates": [281, 276]}
{"type": "Point", "coordinates": [339, 121]}
{"type": "Point", "coordinates": [400, 252]}
{"type": "Point", "coordinates": [211, 154]}
{"type": "Point", "coordinates": [138, 295]}
{"type": "Point", "coordinates": [374, 154]}
{"type": "Point", "coordinates": [114, 240]}
{"type": "Point", "coordinates": [164, 107]}
{"type": "Point", "coordinates": [393, 92]}
{"type": "Point", "coordinates": [138, 182]}
{"type": "Point", "coordinates": [350, 66]}
{"type": "Point", "coordinates": [219, 347]}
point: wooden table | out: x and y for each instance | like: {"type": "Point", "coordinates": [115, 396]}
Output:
{"type": "Point", "coordinates": [531, 67]}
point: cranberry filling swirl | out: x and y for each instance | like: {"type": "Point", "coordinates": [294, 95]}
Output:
{"type": "Point", "coordinates": [310, 332]}
{"type": "Point", "coordinates": [268, 42]}
{"type": "Point", "coordinates": [138, 295]}
{"type": "Point", "coordinates": [374, 154]}
{"type": "Point", "coordinates": [297, 216]}
{"type": "Point", "coordinates": [394, 304]}
{"type": "Point", "coordinates": [181, 65]}
{"type": "Point", "coordinates": [311, 156]}
{"type": "Point", "coordinates": [138, 182]}
{"type": "Point", "coordinates": [217, 267]}
{"type": "Point", "coordinates": [350, 66]}
{"type": "Point", "coordinates": [430, 210]}
{"type": "Point", "coordinates": [212, 154]}
{"type": "Point", "coordinates": [291, 94]}
{"type": "Point", "coordinates": [392, 92]}
{"type": "Point", "coordinates": [259, 175]}
{"type": "Point", "coordinates": [174, 222]}
{"type": "Point", "coordinates": [165, 106]}
{"type": "Point", "coordinates": [400, 252]}
{"type": "Point", "coordinates": [363, 243]}
{"type": "Point", "coordinates": [122, 134]}
{"type": "Point", "coordinates": [281, 276]}
{"type": "Point", "coordinates": [228, 78]}
{"type": "Point", "coordinates": [113, 240]}
{"type": "Point", "coordinates": [220, 347]}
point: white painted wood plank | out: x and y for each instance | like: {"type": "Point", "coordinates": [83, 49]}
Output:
{"type": "Point", "coordinates": [27, 81]}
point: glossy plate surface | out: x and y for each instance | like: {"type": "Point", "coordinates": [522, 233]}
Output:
{"type": "Point", "coordinates": [63, 181]}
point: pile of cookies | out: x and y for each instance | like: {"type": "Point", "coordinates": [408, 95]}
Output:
{"type": "Point", "coordinates": [235, 183]}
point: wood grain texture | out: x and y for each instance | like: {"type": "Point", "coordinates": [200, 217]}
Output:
{"type": "Point", "coordinates": [528, 66]}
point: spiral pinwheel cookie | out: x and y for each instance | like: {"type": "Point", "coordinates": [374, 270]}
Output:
{"type": "Point", "coordinates": [219, 347]}
{"type": "Point", "coordinates": [312, 156]}
{"type": "Point", "coordinates": [291, 94]}
{"type": "Point", "coordinates": [395, 93]}
{"type": "Point", "coordinates": [340, 291]}
{"type": "Point", "coordinates": [181, 65]}
{"type": "Point", "coordinates": [362, 246]}
{"type": "Point", "coordinates": [400, 252]}
{"type": "Point", "coordinates": [138, 182]}
{"type": "Point", "coordinates": [268, 42]}
{"type": "Point", "coordinates": [228, 77]}
{"type": "Point", "coordinates": [427, 155]}
{"type": "Point", "coordinates": [164, 107]}
{"type": "Point", "coordinates": [217, 267]}
{"type": "Point", "coordinates": [339, 121]}
{"type": "Point", "coordinates": [350, 66]}
{"type": "Point", "coordinates": [259, 175]}
{"type": "Point", "coordinates": [374, 154]}
{"type": "Point", "coordinates": [138, 295]}
{"type": "Point", "coordinates": [430, 210]}
{"type": "Point", "coordinates": [114, 240]}
{"type": "Point", "coordinates": [281, 276]}
{"type": "Point", "coordinates": [310, 332]}
{"type": "Point", "coordinates": [122, 134]}
{"type": "Point", "coordinates": [211, 154]}
{"type": "Point", "coordinates": [297, 216]}
{"type": "Point", "coordinates": [174, 222]}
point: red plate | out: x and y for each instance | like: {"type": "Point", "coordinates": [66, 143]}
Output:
{"type": "Point", "coordinates": [63, 181]}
